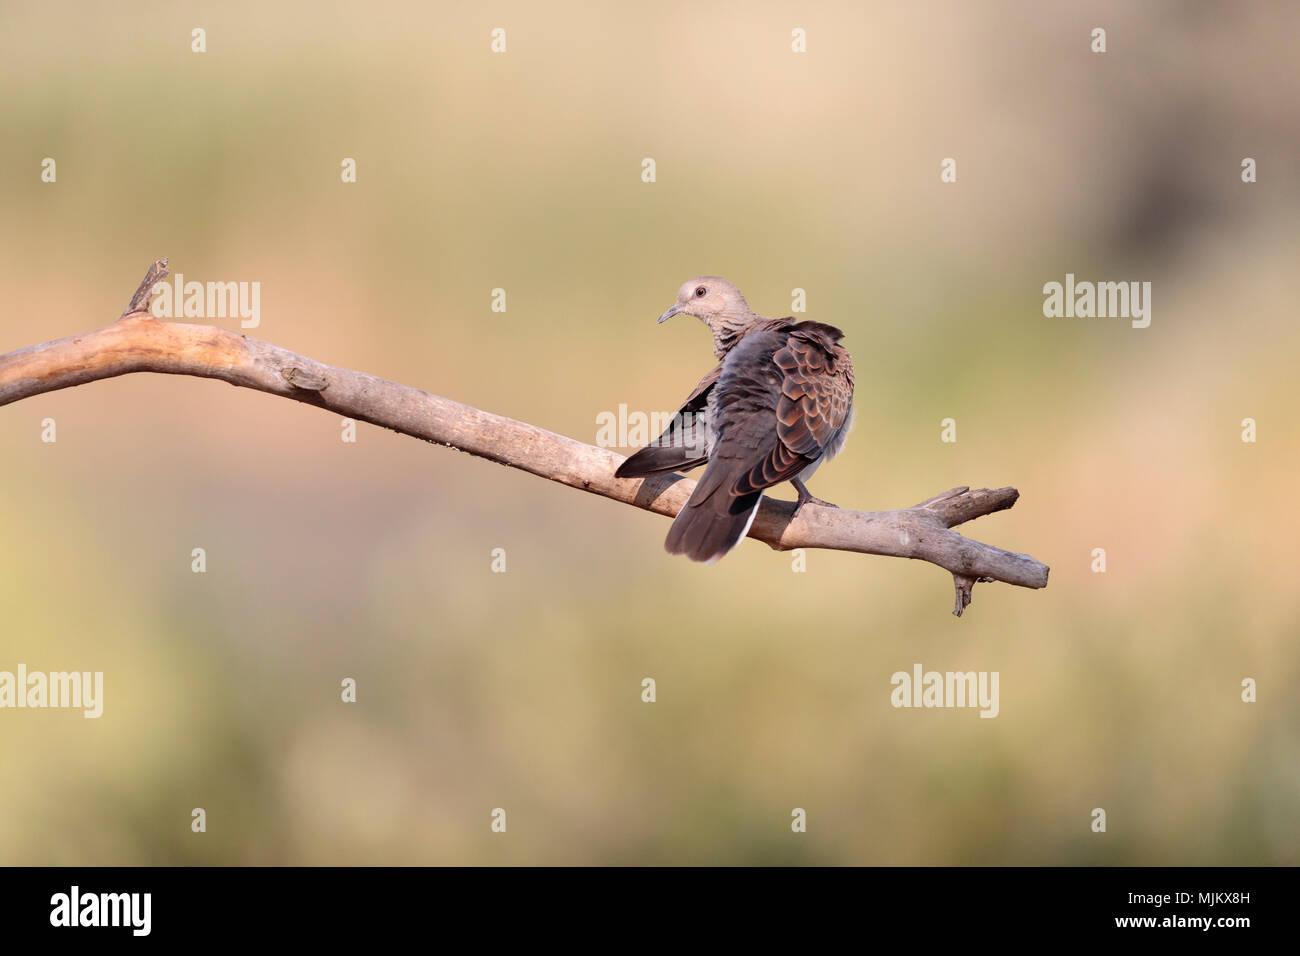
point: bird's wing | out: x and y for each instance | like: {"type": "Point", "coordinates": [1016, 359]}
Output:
{"type": "Point", "coordinates": [682, 444]}
{"type": "Point", "coordinates": [816, 397]}
{"type": "Point", "coordinates": [781, 402]}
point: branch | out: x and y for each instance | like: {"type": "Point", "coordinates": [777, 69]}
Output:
{"type": "Point", "coordinates": [137, 342]}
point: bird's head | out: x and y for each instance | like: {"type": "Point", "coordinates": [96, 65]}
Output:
{"type": "Point", "coordinates": [707, 298]}
{"type": "Point", "coordinates": [715, 302]}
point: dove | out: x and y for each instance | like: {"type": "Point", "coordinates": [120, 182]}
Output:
{"type": "Point", "coordinates": [777, 405]}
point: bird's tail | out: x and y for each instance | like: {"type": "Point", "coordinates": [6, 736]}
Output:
{"type": "Point", "coordinates": [712, 524]}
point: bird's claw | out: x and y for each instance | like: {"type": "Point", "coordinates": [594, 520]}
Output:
{"type": "Point", "coordinates": [811, 500]}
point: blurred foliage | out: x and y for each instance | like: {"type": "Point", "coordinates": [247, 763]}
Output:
{"type": "Point", "coordinates": [522, 690]}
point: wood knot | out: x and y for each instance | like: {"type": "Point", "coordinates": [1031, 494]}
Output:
{"type": "Point", "coordinates": [301, 378]}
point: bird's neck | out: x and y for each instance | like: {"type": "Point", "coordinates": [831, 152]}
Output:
{"type": "Point", "coordinates": [729, 328]}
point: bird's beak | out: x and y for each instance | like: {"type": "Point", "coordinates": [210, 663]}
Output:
{"type": "Point", "coordinates": [670, 313]}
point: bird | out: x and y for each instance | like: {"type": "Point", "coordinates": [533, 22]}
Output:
{"type": "Point", "coordinates": [778, 403]}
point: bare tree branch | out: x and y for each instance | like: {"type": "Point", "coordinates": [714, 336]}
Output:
{"type": "Point", "coordinates": [137, 342]}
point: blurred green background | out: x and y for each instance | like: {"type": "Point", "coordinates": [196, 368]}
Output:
{"type": "Point", "coordinates": [522, 690]}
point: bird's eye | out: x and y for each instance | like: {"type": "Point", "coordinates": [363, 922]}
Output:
{"type": "Point", "coordinates": [700, 291]}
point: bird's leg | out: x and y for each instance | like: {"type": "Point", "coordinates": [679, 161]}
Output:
{"type": "Point", "coordinates": [806, 497]}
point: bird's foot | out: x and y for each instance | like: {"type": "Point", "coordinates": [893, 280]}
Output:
{"type": "Point", "coordinates": [805, 498]}
{"type": "Point", "coordinates": [811, 500]}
